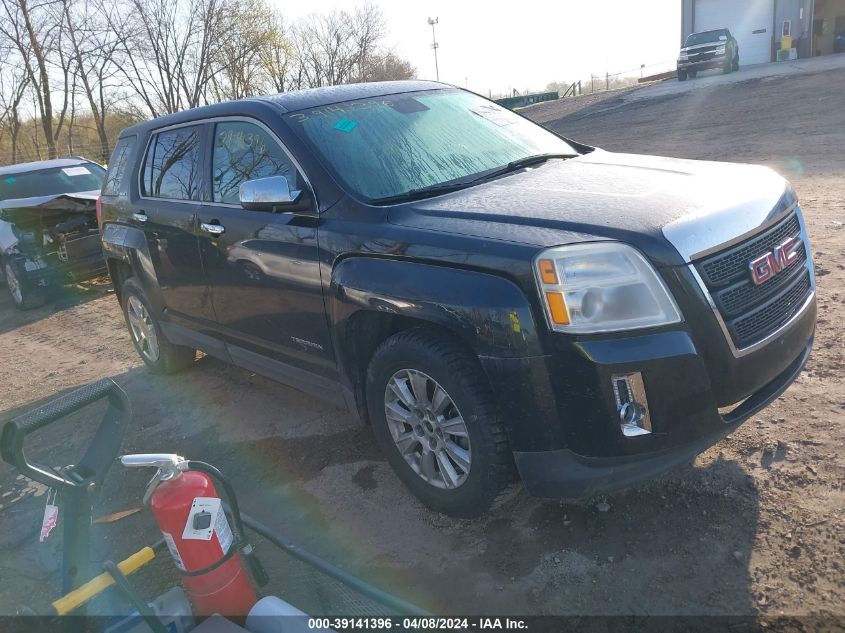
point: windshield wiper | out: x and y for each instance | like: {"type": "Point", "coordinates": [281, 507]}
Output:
{"type": "Point", "coordinates": [520, 163]}
{"type": "Point", "coordinates": [421, 193]}
{"type": "Point", "coordinates": [448, 187]}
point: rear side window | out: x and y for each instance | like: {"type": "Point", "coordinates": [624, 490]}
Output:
{"type": "Point", "coordinates": [117, 166]}
{"type": "Point", "coordinates": [245, 151]}
{"type": "Point", "coordinates": [172, 166]}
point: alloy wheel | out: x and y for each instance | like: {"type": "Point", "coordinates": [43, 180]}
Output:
{"type": "Point", "coordinates": [427, 428]}
{"type": "Point", "coordinates": [13, 284]}
{"type": "Point", "coordinates": [143, 328]}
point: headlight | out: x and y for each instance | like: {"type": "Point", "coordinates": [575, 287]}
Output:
{"type": "Point", "coordinates": [602, 287]}
{"type": "Point", "coordinates": [720, 50]}
{"type": "Point", "coordinates": [683, 56]}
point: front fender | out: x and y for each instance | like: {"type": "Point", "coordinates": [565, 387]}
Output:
{"type": "Point", "coordinates": [490, 313]}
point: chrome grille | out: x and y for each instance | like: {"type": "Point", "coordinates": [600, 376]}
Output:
{"type": "Point", "coordinates": [721, 269]}
{"type": "Point", "coordinates": [752, 312]}
{"type": "Point", "coordinates": [737, 297]}
{"type": "Point", "coordinates": [767, 318]}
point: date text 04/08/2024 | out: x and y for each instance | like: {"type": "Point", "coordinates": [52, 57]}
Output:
{"type": "Point", "coordinates": [418, 624]}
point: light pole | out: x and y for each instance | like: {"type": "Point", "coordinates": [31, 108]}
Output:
{"type": "Point", "coordinates": [434, 45]}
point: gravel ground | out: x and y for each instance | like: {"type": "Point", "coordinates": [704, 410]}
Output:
{"type": "Point", "coordinates": [755, 526]}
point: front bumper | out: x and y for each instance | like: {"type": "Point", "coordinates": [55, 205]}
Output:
{"type": "Point", "coordinates": [564, 473]}
{"type": "Point", "coordinates": [50, 273]}
{"type": "Point", "coordinates": [714, 62]}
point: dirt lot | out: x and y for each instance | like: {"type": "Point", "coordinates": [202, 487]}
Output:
{"type": "Point", "coordinates": [756, 526]}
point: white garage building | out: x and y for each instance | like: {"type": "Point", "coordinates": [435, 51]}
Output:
{"type": "Point", "coordinates": [762, 27]}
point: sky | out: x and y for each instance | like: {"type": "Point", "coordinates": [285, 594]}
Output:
{"type": "Point", "coordinates": [498, 46]}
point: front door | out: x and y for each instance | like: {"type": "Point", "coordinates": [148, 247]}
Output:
{"type": "Point", "coordinates": [262, 267]}
{"type": "Point", "coordinates": [167, 210]}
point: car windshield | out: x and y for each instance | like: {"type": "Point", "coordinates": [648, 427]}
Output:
{"type": "Point", "coordinates": [52, 181]}
{"type": "Point", "coordinates": [391, 145]}
{"type": "Point", "coordinates": [706, 37]}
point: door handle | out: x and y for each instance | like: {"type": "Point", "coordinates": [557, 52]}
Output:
{"type": "Point", "coordinates": [140, 216]}
{"type": "Point", "coordinates": [214, 229]}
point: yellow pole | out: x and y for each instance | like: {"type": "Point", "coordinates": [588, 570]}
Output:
{"type": "Point", "coordinates": [96, 585]}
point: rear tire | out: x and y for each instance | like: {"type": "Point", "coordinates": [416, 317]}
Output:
{"type": "Point", "coordinates": [693, 74]}
{"type": "Point", "coordinates": [23, 295]}
{"type": "Point", "coordinates": [159, 355]}
{"type": "Point", "coordinates": [455, 456]}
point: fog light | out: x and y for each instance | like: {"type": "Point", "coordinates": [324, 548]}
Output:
{"type": "Point", "coordinates": [631, 403]}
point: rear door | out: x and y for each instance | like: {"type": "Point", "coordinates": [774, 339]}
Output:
{"type": "Point", "coordinates": [171, 186]}
{"type": "Point", "coordinates": [263, 267]}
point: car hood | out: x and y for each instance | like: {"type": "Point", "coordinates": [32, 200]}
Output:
{"type": "Point", "coordinates": [34, 210]}
{"type": "Point", "coordinates": [667, 207]}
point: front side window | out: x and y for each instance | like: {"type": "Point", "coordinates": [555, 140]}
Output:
{"type": "Point", "coordinates": [172, 167]}
{"type": "Point", "coordinates": [245, 151]}
{"type": "Point", "coordinates": [391, 145]}
{"type": "Point", "coordinates": [117, 166]}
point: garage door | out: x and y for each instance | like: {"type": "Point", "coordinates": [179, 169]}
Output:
{"type": "Point", "coordinates": [750, 21]}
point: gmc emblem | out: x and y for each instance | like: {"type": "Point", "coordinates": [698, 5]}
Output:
{"type": "Point", "coordinates": [767, 266]}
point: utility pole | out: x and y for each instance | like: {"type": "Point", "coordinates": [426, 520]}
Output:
{"type": "Point", "coordinates": [435, 45]}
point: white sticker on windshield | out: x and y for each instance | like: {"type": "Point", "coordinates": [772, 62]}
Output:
{"type": "Point", "coordinates": [495, 114]}
{"type": "Point", "coordinates": [76, 171]}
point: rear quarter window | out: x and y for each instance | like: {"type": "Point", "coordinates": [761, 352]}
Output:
{"type": "Point", "coordinates": [115, 182]}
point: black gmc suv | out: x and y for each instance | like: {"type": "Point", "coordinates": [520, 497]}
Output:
{"type": "Point", "coordinates": [491, 297]}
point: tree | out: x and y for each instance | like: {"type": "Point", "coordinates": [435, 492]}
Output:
{"type": "Point", "coordinates": [277, 56]}
{"type": "Point", "coordinates": [13, 86]}
{"type": "Point", "coordinates": [241, 56]}
{"type": "Point", "coordinates": [34, 31]}
{"type": "Point", "coordinates": [93, 46]}
{"type": "Point", "coordinates": [167, 50]}
{"type": "Point", "coordinates": [387, 66]}
{"type": "Point", "coordinates": [93, 66]}
{"type": "Point", "coordinates": [342, 47]}
{"type": "Point", "coordinates": [368, 30]}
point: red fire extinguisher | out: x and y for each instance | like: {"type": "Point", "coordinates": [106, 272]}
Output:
{"type": "Point", "coordinates": [190, 515]}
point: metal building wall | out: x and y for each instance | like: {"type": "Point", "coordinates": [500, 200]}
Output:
{"type": "Point", "coordinates": [687, 17]}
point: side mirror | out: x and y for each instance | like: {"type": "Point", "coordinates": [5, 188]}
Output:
{"type": "Point", "coordinates": [269, 194]}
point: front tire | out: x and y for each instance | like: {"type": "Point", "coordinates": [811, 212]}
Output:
{"type": "Point", "coordinates": [433, 415]}
{"type": "Point", "coordinates": [682, 75]}
{"type": "Point", "coordinates": [23, 295]}
{"type": "Point", "coordinates": [160, 355]}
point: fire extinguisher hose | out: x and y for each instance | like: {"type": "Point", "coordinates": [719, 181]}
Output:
{"type": "Point", "coordinates": [240, 520]}
{"type": "Point", "coordinates": [388, 600]}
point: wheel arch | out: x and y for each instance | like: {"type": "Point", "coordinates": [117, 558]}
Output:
{"type": "Point", "coordinates": [127, 255]}
{"type": "Point", "coordinates": [370, 299]}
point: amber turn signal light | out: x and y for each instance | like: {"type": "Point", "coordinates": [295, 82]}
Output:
{"type": "Point", "coordinates": [557, 308]}
{"type": "Point", "coordinates": [547, 271]}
